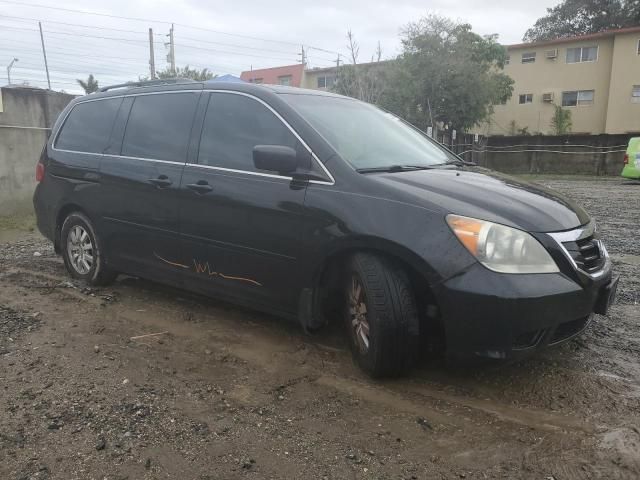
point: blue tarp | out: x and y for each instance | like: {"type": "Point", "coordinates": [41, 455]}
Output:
{"type": "Point", "coordinates": [226, 78]}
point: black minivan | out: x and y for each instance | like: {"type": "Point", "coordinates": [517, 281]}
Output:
{"type": "Point", "coordinates": [315, 206]}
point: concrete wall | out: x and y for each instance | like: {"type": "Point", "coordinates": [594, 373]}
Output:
{"type": "Point", "coordinates": [573, 155]}
{"type": "Point", "coordinates": [25, 122]}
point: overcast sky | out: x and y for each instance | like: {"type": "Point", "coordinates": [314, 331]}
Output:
{"type": "Point", "coordinates": [224, 36]}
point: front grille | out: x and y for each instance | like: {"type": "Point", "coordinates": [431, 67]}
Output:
{"type": "Point", "coordinates": [586, 253]}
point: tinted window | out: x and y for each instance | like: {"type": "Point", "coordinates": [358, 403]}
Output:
{"type": "Point", "coordinates": [159, 126]}
{"type": "Point", "coordinates": [88, 126]}
{"type": "Point", "coordinates": [233, 125]}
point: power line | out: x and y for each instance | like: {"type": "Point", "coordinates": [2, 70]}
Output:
{"type": "Point", "coordinates": [75, 34]}
{"type": "Point", "coordinates": [90, 57]}
{"type": "Point", "coordinates": [235, 45]}
{"type": "Point", "coordinates": [78, 25]}
{"type": "Point", "coordinates": [62, 46]}
{"type": "Point", "coordinates": [232, 53]}
{"type": "Point", "coordinates": [56, 54]}
{"type": "Point", "coordinates": [119, 39]}
{"type": "Point", "coordinates": [76, 70]}
{"type": "Point", "coordinates": [137, 19]}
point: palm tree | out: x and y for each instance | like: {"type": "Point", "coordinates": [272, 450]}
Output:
{"type": "Point", "coordinates": [90, 86]}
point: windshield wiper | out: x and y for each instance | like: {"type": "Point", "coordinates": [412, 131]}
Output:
{"type": "Point", "coordinates": [460, 162]}
{"type": "Point", "coordinates": [394, 168]}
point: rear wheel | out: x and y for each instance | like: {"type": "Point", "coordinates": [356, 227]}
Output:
{"type": "Point", "coordinates": [81, 251]}
{"type": "Point", "coordinates": [381, 315]}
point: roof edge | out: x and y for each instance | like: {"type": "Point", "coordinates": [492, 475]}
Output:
{"type": "Point", "coordinates": [576, 38]}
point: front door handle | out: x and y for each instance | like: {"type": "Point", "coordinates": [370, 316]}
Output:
{"type": "Point", "coordinates": [201, 186]}
{"type": "Point", "coordinates": [161, 182]}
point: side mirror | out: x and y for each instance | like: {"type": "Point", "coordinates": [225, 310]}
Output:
{"type": "Point", "coordinates": [276, 158]}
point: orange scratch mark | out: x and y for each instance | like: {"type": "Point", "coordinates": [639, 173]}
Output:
{"type": "Point", "coordinates": [229, 277]}
{"type": "Point", "coordinates": [206, 268]}
{"type": "Point", "coordinates": [170, 263]}
{"type": "Point", "coordinates": [203, 268]}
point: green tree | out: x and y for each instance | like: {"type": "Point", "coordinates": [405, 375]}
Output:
{"type": "Point", "coordinates": [90, 86]}
{"type": "Point", "coordinates": [186, 72]}
{"type": "Point", "coordinates": [579, 17]}
{"type": "Point", "coordinates": [447, 75]}
{"type": "Point", "coordinates": [561, 121]}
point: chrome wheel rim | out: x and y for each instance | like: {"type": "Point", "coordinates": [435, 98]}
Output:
{"type": "Point", "coordinates": [358, 314]}
{"type": "Point", "coordinates": [80, 249]}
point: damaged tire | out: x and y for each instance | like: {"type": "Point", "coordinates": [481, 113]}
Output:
{"type": "Point", "coordinates": [81, 251]}
{"type": "Point", "coordinates": [381, 315]}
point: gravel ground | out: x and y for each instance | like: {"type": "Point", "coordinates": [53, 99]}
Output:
{"type": "Point", "coordinates": [219, 392]}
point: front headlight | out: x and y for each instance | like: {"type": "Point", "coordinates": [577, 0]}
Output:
{"type": "Point", "coordinates": [500, 248]}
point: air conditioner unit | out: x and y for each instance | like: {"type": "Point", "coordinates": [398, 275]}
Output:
{"type": "Point", "coordinates": [547, 97]}
{"type": "Point", "coordinates": [551, 53]}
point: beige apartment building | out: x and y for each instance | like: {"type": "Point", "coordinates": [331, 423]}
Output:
{"type": "Point", "coordinates": [596, 77]}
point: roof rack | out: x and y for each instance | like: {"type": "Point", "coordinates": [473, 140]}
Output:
{"type": "Point", "coordinates": [147, 83]}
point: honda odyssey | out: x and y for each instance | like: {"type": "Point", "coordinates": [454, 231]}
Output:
{"type": "Point", "coordinates": [318, 207]}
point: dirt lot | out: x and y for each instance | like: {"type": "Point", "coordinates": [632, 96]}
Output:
{"type": "Point", "coordinates": [228, 393]}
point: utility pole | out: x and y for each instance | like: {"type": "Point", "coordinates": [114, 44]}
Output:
{"type": "Point", "coordinates": [9, 70]}
{"type": "Point", "coordinates": [338, 61]}
{"type": "Point", "coordinates": [152, 60]}
{"type": "Point", "coordinates": [304, 56]}
{"type": "Point", "coordinates": [171, 57]}
{"type": "Point", "coordinates": [44, 54]}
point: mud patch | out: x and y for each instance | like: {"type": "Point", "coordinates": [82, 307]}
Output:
{"type": "Point", "coordinates": [139, 380]}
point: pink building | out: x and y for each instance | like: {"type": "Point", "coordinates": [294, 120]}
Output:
{"type": "Point", "coordinates": [290, 75]}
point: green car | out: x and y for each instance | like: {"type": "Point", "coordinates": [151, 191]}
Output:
{"type": "Point", "coordinates": [632, 159]}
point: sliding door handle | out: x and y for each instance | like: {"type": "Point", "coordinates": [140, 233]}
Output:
{"type": "Point", "coordinates": [161, 182]}
{"type": "Point", "coordinates": [201, 186]}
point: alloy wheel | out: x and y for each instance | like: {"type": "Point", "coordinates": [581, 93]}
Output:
{"type": "Point", "coordinates": [358, 314]}
{"type": "Point", "coordinates": [80, 249]}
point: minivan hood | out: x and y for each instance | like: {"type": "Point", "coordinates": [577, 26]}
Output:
{"type": "Point", "coordinates": [487, 195]}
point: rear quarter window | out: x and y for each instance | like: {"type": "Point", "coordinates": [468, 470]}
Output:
{"type": "Point", "coordinates": [88, 127]}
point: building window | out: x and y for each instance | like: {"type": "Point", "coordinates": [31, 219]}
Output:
{"type": "Point", "coordinates": [577, 98]}
{"type": "Point", "coordinates": [326, 81]}
{"type": "Point", "coordinates": [525, 98]}
{"type": "Point", "coordinates": [285, 80]}
{"type": "Point", "coordinates": [639, 46]}
{"type": "Point", "coordinates": [582, 54]}
{"type": "Point", "coordinates": [635, 94]}
{"type": "Point", "coordinates": [529, 57]}
{"type": "Point", "coordinates": [507, 59]}
{"type": "Point", "coordinates": [256, 80]}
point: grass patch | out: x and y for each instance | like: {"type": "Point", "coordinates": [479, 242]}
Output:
{"type": "Point", "coordinates": [23, 223]}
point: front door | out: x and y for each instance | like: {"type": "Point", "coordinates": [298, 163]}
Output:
{"type": "Point", "coordinates": [141, 181]}
{"type": "Point", "coordinates": [241, 226]}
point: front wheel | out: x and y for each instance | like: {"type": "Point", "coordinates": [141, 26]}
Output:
{"type": "Point", "coordinates": [381, 315]}
{"type": "Point", "coordinates": [81, 251]}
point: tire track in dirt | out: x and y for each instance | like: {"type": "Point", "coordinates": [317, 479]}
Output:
{"type": "Point", "coordinates": [268, 351]}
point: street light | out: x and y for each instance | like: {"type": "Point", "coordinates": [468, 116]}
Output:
{"type": "Point", "coordinates": [9, 69]}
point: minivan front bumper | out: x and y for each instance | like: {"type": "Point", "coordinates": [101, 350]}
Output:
{"type": "Point", "coordinates": [507, 316]}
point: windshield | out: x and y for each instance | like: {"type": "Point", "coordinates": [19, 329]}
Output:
{"type": "Point", "coordinates": [367, 137]}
